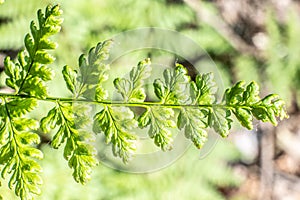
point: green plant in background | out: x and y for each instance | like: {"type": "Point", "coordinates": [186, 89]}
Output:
{"type": "Point", "coordinates": [90, 21]}
{"type": "Point", "coordinates": [282, 52]}
{"type": "Point", "coordinates": [14, 19]}
{"type": "Point", "coordinates": [182, 102]}
{"type": "Point", "coordinates": [188, 178]}
{"type": "Point", "coordinates": [277, 68]}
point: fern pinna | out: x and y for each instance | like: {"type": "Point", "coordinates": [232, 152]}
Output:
{"type": "Point", "coordinates": [189, 105]}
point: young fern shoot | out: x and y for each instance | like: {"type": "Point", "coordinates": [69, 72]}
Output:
{"type": "Point", "coordinates": [182, 103]}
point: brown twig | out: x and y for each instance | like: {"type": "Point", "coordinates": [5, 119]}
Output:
{"type": "Point", "coordinates": [266, 133]}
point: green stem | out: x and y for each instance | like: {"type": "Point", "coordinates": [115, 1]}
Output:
{"type": "Point", "coordinates": [126, 104]}
{"type": "Point", "coordinates": [31, 64]}
{"type": "Point", "coordinates": [26, 76]}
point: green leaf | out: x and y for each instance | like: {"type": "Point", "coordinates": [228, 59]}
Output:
{"type": "Point", "coordinates": [117, 124]}
{"type": "Point", "coordinates": [9, 67]}
{"type": "Point", "coordinates": [251, 94]}
{"type": "Point", "coordinates": [160, 119]}
{"type": "Point", "coordinates": [51, 120]}
{"type": "Point", "coordinates": [28, 138]}
{"type": "Point", "coordinates": [194, 121]}
{"type": "Point", "coordinates": [32, 152]}
{"type": "Point", "coordinates": [245, 117]}
{"type": "Point", "coordinates": [132, 90]}
{"type": "Point", "coordinates": [45, 73]}
{"type": "Point", "coordinates": [70, 77]}
{"type": "Point", "coordinates": [159, 89]}
{"type": "Point", "coordinates": [29, 43]}
{"type": "Point", "coordinates": [35, 87]}
{"type": "Point", "coordinates": [3, 131]}
{"type": "Point", "coordinates": [175, 86]}
{"type": "Point", "coordinates": [71, 132]}
{"type": "Point", "coordinates": [93, 71]}
{"type": "Point", "coordinates": [246, 103]}
{"type": "Point", "coordinates": [5, 156]}
{"type": "Point", "coordinates": [220, 121]}
{"type": "Point", "coordinates": [59, 138]}
{"type": "Point", "coordinates": [144, 119]}
{"type": "Point", "coordinates": [43, 57]}
{"type": "Point", "coordinates": [19, 107]}
{"type": "Point", "coordinates": [28, 74]}
{"type": "Point", "coordinates": [83, 160]}
{"type": "Point", "coordinates": [203, 90]}
{"type": "Point", "coordinates": [18, 152]}
{"type": "Point", "coordinates": [45, 43]}
{"type": "Point", "coordinates": [269, 108]}
{"type": "Point", "coordinates": [123, 86]}
{"type": "Point", "coordinates": [279, 108]}
{"type": "Point", "coordinates": [101, 93]}
{"type": "Point", "coordinates": [25, 124]}
{"type": "Point", "coordinates": [14, 72]}
{"type": "Point", "coordinates": [234, 95]}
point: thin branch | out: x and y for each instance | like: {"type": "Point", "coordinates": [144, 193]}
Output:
{"type": "Point", "coordinates": [121, 103]}
{"type": "Point", "coordinates": [267, 154]}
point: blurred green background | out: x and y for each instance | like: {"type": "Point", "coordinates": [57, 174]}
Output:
{"type": "Point", "coordinates": [250, 40]}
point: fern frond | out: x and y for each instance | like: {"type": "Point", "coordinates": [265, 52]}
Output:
{"type": "Point", "coordinates": [159, 119]}
{"type": "Point", "coordinates": [132, 90]}
{"type": "Point", "coordinates": [195, 120]}
{"type": "Point", "coordinates": [81, 155]}
{"type": "Point", "coordinates": [182, 102]}
{"type": "Point", "coordinates": [28, 74]}
{"type": "Point", "coordinates": [92, 73]}
{"type": "Point", "coordinates": [117, 125]}
{"type": "Point", "coordinates": [18, 153]}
